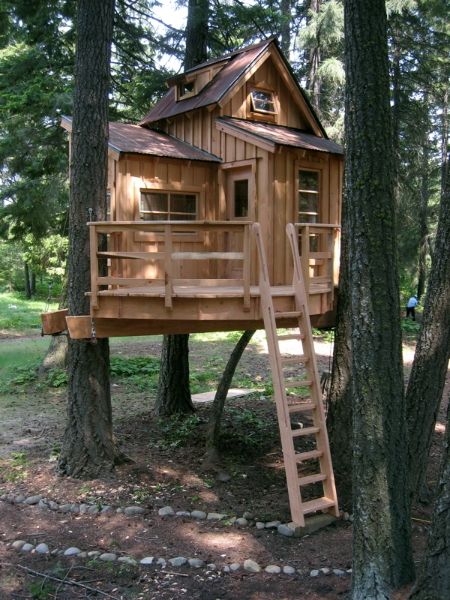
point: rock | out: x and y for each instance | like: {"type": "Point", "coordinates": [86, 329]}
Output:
{"type": "Point", "coordinates": [260, 525]}
{"type": "Point", "coordinates": [65, 508]}
{"type": "Point", "coordinates": [241, 522]}
{"type": "Point", "coordinates": [183, 513]}
{"type": "Point", "coordinates": [27, 548]}
{"type": "Point", "coordinates": [108, 557]}
{"type": "Point", "coordinates": [127, 560]}
{"type": "Point", "coordinates": [72, 551]}
{"type": "Point", "coordinates": [313, 523]}
{"type": "Point", "coordinates": [82, 555]}
{"type": "Point", "coordinates": [251, 566]}
{"type": "Point", "coordinates": [198, 514]}
{"type": "Point", "coordinates": [235, 567]}
{"type": "Point", "coordinates": [43, 504]}
{"type": "Point", "coordinates": [273, 569]}
{"type": "Point", "coordinates": [131, 511]}
{"type": "Point", "coordinates": [314, 573]}
{"type": "Point", "coordinates": [196, 563]}
{"type": "Point", "coordinates": [248, 515]}
{"type": "Point", "coordinates": [74, 508]}
{"type": "Point", "coordinates": [325, 570]}
{"type": "Point", "coordinates": [226, 569]}
{"type": "Point", "coordinates": [212, 566]}
{"type": "Point", "coordinates": [55, 552]}
{"type": "Point", "coordinates": [53, 505]}
{"type": "Point", "coordinates": [32, 500]}
{"type": "Point", "coordinates": [212, 516]}
{"type": "Point", "coordinates": [93, 510]}
{"type": "Point", "coordinates": [223, 477]}
{"type": "Point", "coordinates": [346, 516]}
{"type": "Point", "coordinates": [148, 560]}
{"type": "Point", "coordinates": [288, 570]}
{"type": "Point", "coordinates": [119, 510]}
{"type": "Point", "coordinates": [3, 497]}
{"type": "Point", "coordinates": [17, 545]}
{"type": "Point", "coordinates": [166, 511]}
{"type": "Point", "coordinates": [349, 571]}
{"type": "Point", "coordinates": [107, 510]}
{"type": "Point", "coordinates": [285, 530]}
{"type": "Point", "coordinates": [338, 572]}
{"type": "Point", "coordinates": [162, 562]}
{"type": "Point", "coordinates": [19, 499]}
{"type": "Point", "coordinates": [94, 553]}
{"type": "Point", "coordinates": [84, 508]}
{"type": "Point", "coordinates": [42, 549]}
{"type": "Point", "coordinates": [178, 561]}
{"type": "Point", "coordinates": [272, 524]}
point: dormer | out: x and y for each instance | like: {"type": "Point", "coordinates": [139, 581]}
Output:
{"type": "Point", "coordinates": [193, 81]}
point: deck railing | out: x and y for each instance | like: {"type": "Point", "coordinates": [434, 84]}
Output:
{"type": "Point", "coordinates": [319, 245]}
{"type": "Point", "coordinates": [167, 235]}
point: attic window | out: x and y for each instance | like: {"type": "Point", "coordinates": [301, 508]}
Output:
{"type": "Point", "coordinates": [263, 102]}
{"type": "Point", "coordinates": [185, 89]}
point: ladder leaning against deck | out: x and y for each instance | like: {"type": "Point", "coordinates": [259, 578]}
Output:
{"type": "Point", "coordinates": [289, 390]}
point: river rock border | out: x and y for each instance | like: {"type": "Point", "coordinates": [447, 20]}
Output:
{"type": "Point", "coordinates": [247, 519]}
{"type": "Point", "coordinates": [249, 565]}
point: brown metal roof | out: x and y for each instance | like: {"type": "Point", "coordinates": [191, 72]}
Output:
{"type": "Point", "coordinates": [282, 136]}
{"type": "Point", "coordinates": [212, 93]}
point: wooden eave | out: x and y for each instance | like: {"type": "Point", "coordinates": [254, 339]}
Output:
{"type": "Point", "coordinates": [246, 136]}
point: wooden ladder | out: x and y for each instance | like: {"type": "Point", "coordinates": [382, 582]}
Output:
{"type": "Point", "coordinates": [290, 402]}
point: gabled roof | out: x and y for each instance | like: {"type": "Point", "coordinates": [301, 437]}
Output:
{"type": "Point", "coordinates": [236, 66]}
{"type": "Point", "coordinates": [270, 136]}
{"type": "Point", "coordinates": [132, 139]}
{"type": "Point", "coordinates": [239, 62]}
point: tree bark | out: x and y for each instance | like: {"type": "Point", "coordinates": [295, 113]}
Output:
{"type": "Point", "coordinates": [434, 584]}
{"type": "Point", "coordinates": [215, 417]}
{"type": "Point", "coordinates": [427, 379]}
{"type": "Point", "coordinates": [88, 447]}
{"type": "Point", "coordinates": [339, 399]}
{"type": "Point", "coordinates": [27, 281]}
{"type": "Point", "coordinates": [174, 395]}
{"type": "Point", "coordinates": [313, 81]}
{"type": "Point", "coordinates": [285, 28]}
{"type": "Point", "coordinates": [382, 556]}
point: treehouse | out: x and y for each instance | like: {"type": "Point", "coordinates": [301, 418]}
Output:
{"type": "Point", "coordinates": [224, 208]}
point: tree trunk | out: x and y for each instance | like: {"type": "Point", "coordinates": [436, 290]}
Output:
{"type": "Point", "coordinates": [88, 448]}
{"type": "Point", "coordinates": [174, 395]}
{"type": "Point", "coordinates": [56, 356]}
{"type": "Point", "coordinates": [313, 80]}
{"type": "Point", "coordinates": [339, 399]}
{"type": "Point", "coordinates": [382, 556]}
{"type": "Point", "coordinates": [215, 417]}
{"type": "Point", "coordinates": [285, 28]}
{"type": "Point", "coordinates": [427, 379]}
{"type": "Point", "coordinates": [434, 584]}
{"type": "Point", "coordinates": [27, 281]}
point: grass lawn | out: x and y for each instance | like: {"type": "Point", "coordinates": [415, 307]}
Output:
{"type": "Point", "coordinates": [19, 316]}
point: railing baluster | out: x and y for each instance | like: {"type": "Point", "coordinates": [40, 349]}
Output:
{"type": "Point", "coordinates": [93, 248]}
{"type": "Point", "coordinates": [246, 267]}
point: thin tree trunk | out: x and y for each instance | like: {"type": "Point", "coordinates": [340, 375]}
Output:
{"type": "Point", "coordinates": [27, 281]}
{"type": "Point", "coordinates": [427, 379]}
{"type": "Point", "coordinates": [88, 448]}
{"type": "Point", "coordinates": [382, 556]}
{"type": "Point", "coordinates": [215, 417]}
{"type": "Point", "coordinates": [313, 83]}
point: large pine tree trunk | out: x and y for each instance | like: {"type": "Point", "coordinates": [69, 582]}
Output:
{"type": "Point", "coordinates": [88, 447]}
{"type": "Point", "coordinates": [427, 379]}
{"type": "Point", "coordinates": [382, 557]}
{"type": "Point", "coordinates": [434, 583]}
{"type": "Point", "coordinates": [174, 394]}
{"type": "Point", "coordinates": [339, 400]}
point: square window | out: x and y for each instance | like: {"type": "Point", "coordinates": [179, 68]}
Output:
{"type": "Point", "coordinates": [308, 196]}
{"type": "Point", "coordinates": [263, 101]}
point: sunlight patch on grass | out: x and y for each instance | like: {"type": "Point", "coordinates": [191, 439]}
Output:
{"type": "Point", "coordinates": [19, 316]}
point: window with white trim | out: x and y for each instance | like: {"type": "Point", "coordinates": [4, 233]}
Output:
{"type": "Point", "coordinates": [167, 206]}
{"type": "Point", "coordinates": [263, 101]}
{"type": "Point", "coordinates": [308, 196]}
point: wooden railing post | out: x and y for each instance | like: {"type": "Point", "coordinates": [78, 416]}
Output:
{"type": "Point", "coordinates": [93, 248]}
{"type": "Point", "coordinates": [168, 267]}
{"type": "Point", "coordinates": [305, 256]}
{"type": "Point", "coordinates": [246, 269]}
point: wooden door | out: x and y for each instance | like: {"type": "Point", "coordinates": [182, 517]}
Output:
{"type": "Point", "coordinates": [238, 190]}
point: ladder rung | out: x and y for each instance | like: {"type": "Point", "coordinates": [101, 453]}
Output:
{"type": "Point", "coordinates": [317, 504]}
{"type": "Point", "coordinates": [305, 431]}
{"type": "Point", "coordinates": [293, 408]}
{"type": "Point", "coordinates": [312, 479]}
{"type": "Point", "coordinates": [298, 383]}
{"type": "Point", "coordinates": [293, 314]}
{"type": "Point", "coordinates": [302, 456]}
{"type": "Point", "coordinates": [291, 336]}
{"type": "Point", "coordinates": [293, 360]}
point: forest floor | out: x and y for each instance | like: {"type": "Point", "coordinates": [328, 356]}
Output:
{"type": "Point", "coordinates": [166, 470]}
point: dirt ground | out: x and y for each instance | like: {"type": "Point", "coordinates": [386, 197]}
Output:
{"type": "Point", "coordinates": [167, 469]}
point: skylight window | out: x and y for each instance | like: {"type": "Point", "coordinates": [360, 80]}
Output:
{"type": "Point", "coordinates": [263, 102]}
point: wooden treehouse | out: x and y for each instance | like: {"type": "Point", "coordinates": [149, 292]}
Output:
{"type": "Point", "coordinates": [224, 213]}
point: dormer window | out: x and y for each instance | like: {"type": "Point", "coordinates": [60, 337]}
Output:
{"type": "Point", "coordinates": [263, 102]}
{"type": "Point", "coordinates": [186, 89]}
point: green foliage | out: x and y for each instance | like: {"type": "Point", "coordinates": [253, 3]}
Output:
{"type": "Point", "coordinates": [180, 430]}
{"type": "Point", "coordinates": [244, 431]}
{"type": "Point", "coordinates": [41, 590]}
{"type": "Point", "coordinates": [19, 315]}
{"type": "Point", "coordinates": [14, 468]}
{"type": "Point", "coordinates": [57, 378]}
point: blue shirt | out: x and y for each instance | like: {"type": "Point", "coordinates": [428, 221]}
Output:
{"type": "Point", "coordinates": [412, 302]}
